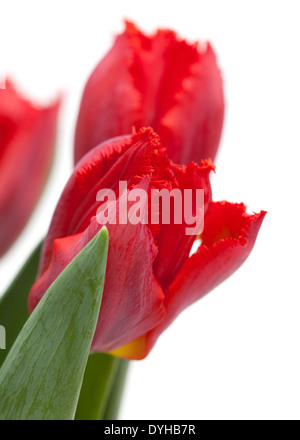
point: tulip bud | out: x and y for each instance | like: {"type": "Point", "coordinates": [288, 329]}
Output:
{"type": "Point", "coordinates": [159, 81]}
{"type": "Point", "coordinates": [27, 140]}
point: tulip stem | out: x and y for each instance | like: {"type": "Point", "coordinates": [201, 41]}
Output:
{"type": "Point", "coordinates": [114, 402]}
{"type": "Point", "coordinates": [98, 383]}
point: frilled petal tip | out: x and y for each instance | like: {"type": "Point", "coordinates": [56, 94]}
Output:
{"type": "Point", "coordinates": [228, 238]}
{"type": "Point", "coordinates": [158, 80]}
{"type": "Point", "coordinates": [27, 142]}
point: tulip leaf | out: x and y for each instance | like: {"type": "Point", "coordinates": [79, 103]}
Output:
{"type": "Point", "coordinates": [13, 304]}
{"type": "Point", "coordinates": [42, 375]}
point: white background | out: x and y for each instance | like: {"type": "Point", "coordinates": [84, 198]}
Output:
{"type": "Point", "coordinates": [235, 354]}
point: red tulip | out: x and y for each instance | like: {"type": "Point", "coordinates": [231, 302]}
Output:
{"type": "Point", "coordinates": [27, 137]}
{"type": "Point", "coordinates": [150, 276]}
{"type": "Point", "coordinates": [158, 81]}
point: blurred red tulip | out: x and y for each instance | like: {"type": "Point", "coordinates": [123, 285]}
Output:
{"type": "Point", "coordinates": [27, 139]}
{"type": "Point", "coordinates": [158, 81]}
{"type": "Point", "coordinates": [151, 276]}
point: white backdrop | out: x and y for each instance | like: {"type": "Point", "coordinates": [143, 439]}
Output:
{"type": "Point", "coordinates": [235, 354]}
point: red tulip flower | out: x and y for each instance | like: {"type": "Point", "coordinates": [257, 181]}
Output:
{"type": "Point", "coordinates": [150, 276]}
{"type": "Point", "coordinates": [27, 139]}
{"type": "Point", "coordinates": [158, 81]}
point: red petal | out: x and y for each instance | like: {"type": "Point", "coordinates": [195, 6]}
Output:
{"type": "Point", "coordinates": [132, 299]}
{"type": "Point", "coordinates": [173, 242]}
{"type": "Point", "coordinates": [228, 238]}
{"type": "Point", "coordinates": [27, 140]}
{"type": "Point", "coordinates": [120, 159]}
{"type": "Point", "coordinates": [110, 104]}
{"type": "Point", "coordinates": [159, 81]}
{"type": "Point", "coordinates": [190, 102]}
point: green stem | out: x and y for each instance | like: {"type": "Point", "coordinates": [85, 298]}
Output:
{"type": "Point", "coordinates": [114, 402]}
{"type": "Point", "coordinates": [97, 384]}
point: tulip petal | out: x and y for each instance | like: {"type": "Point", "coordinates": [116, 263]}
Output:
{"type": "Point", "coordinates": [132, 300]}
{"type": "Point", "coordinates": [126, 158]}
{"type": "Point", "coordinates": [190, 102]}
{"type": "Point", "coordinates": [27, 139]}
{"type": "Point", "coordinates": [229, 236]}
{"type": "Point", "coordinates": [173, 241]}
{"type": "Point", "coordinates": [110, 104]}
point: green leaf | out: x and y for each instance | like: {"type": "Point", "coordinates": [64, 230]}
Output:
{"type": "Point", "coordinates": [98, 382]}
{"type": "Point", "coordinates": [116, 394]}
{"type": "Point", "coordinates": [13, 304]}
{"type": "Point", "coordinates": [43, 373]}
